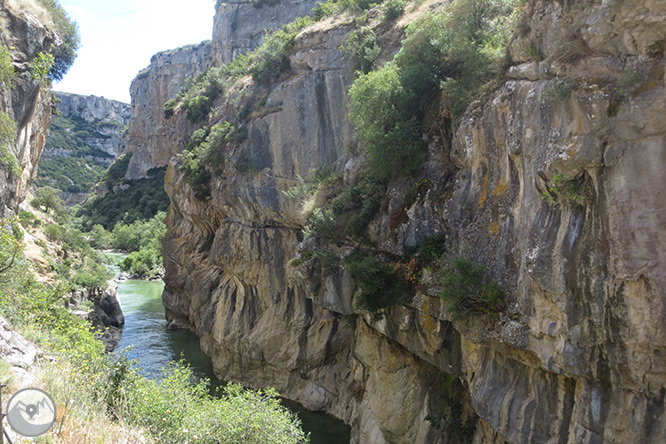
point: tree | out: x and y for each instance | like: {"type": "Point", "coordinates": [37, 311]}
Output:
{"type": "Point", "coordinates": [48, 200]}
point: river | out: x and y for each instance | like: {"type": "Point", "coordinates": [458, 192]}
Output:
{"type": "Point", "coordinates": [153, 347]}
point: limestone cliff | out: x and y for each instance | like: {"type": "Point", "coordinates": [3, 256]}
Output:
{"type": "Point", "coordinates": [151, 141]}
{"type": "Point", "coordinates": [240, 25]}
{"type": "Point", "coordinates": [24, 99]}
{"type": "Point", "coordinates": [551, 182]}
{"type": "Point", "coordinates": [109, 118]}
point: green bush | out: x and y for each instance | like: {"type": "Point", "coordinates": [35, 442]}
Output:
{"type": "Point", "coordinates": [197, 97]}
{"type": "Point", "coordinates": [206, 148]}
{"type": "Point", "coordinates": [363, 46]}
{"type": "Point", "coordinates": [179, 409]}
{"type": "Point", "coordinates": [8, 162]}
{"type": "Point", "coordinates": [272, 57]}
{"type": "Point", "coordinates": [52, 232]}
{"type": "Point", "coordinates": [7, 129]}
{"type": "Point", "coordinates": [41, 65]}
{"type": "Point", "coordinates": [432, 248]}
{"type": "Point", "coordinates": [48, 200]}
{"type": "Point", "coordinates": [382, 110]}
{"type": "Point", "coordinates": [10, 245]}
{"type": "Point", "coordinates": [377, 281]}
{"type": "Point", "coordinates": [100, 238]}
{"type": "Point", "coordinates": [454, 53]}
{"type": "Point", "coordinates": [466, 289]}
{"type": "Point", "coordinates": [26, 218]}
{"type": "Point", "coordinates": [142, 263]}
{"type": "Point", "coordinates": [7, 138]}
{"type": "Point", "coordinates": [394, 9]}
{"type": "Point", "coordinates": [558, 90]}
{"type": "Point", "coordinates": [7, 73]}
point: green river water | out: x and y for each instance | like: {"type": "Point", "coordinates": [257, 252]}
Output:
{"type": "Point", "coordinates": [153, 347]}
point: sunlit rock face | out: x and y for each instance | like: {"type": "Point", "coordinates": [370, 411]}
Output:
{"type": "Point", "coordinates": [26, 101]}
{"type": "Point", "coordinates": [109, 116]}
{"type": "Point", "coordinates": [240, 25]}
{"type": "Point", "coordinates": [555, 191]}
{"type": "Point", "coordinates": [150, 138]}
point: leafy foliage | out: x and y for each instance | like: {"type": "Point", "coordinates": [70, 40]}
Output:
{"type": "Point", "coordinates": [271, 58]}
{"type": "Point", "coordinates": [465, 289]}
{"type": "Point", "coordinates": [379, 285]}
{"type": "Point", "coordinates": [71, 174]}
{"type": "Point", "coordinates": [9, 245]}
{"type": "Point", "coordinates": [394, 9]}
{"type": "Point", "coordinates": [206, 148]}
{"type": "Point", "coordinates": [381, 108]}
{"type": "Point", "coordinates": [48, 200]}
{"type": "Point", "coordinates": [41, 66]}
{"type": "Point", "coordinates": [7, 73]}
{"type": "Point", "coordinates": [142, 199]}
{"type": "Point", "coordinates": [7, 138]}
{"type": "Point", "coordinates": [65, 53]}
{"type": "Point", "coordinates": [454, 53]}
{"type": "Point", "coordinates": [196, 98]}
{"type": "Point", "coordinates": [363, 46]}
{"type": "Point", "coordinates": [179, 409]}
{"type": "Point", "coordinates": [144, 240]}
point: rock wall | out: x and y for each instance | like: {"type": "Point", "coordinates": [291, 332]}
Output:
{"type": "Point", "coordinates": [552, 183]}
{"type": "Point", "coordinates": [151, 140]}
{"type": "Point", "coordinates": [241, 25]}
{"type": "Point", "coordinates": [26, 100]}
{"type": "Point", "coordinates": [109, 117]}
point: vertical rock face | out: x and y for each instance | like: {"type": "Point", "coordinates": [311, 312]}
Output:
{"type": "Point", "coordinates": [241, 25]}
{"type": "Point", "coordinates": [150, 139]}
{"type": "Point", "coordinates": [107, 121]}
{"type": "Point", "coordinates": [555, 188]}
{"type": "Point", "coordinates": [109, 117]}
{"type": "Point", "coordinates": [27, 101]}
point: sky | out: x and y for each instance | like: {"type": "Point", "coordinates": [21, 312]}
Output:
{"type": "Point", "coordinates": [118, 38]}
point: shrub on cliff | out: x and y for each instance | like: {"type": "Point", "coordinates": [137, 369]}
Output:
{"type": "Point", "coordinates": [394, 9]}
{"type": "Point", "coordinates": [206, 149]}
{"type": "Point", "coordinates": [466, 289]}
{"type": "Point", "coordinates": [379, 285]}
{"type": "Point", "coordinates": [363, 46]}
{"type": "Point", "coordinates": [7, 72]}
{"type": "Point", "coordinates": [382, 110]}
{"type": "Point", "coordinates": [271, 58]}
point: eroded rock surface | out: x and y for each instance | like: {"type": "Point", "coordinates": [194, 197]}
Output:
{"type": "Point", "coordinates": [556, 191]}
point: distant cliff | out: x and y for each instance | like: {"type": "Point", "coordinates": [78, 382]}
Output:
{"type": "Point", "coordinates": [25, 100]}
{"type": "Point", "coordinates": [150, 140]}
{"type": "Point", "coordinates": [549, 180]}
{"type": "Point", "coordinates": [109, 118]}
{"type": "Point", "coordinates": [84, 139]}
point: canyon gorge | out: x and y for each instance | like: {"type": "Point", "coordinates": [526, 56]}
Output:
{"type": "Point", "coordinates": [549, 179]}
